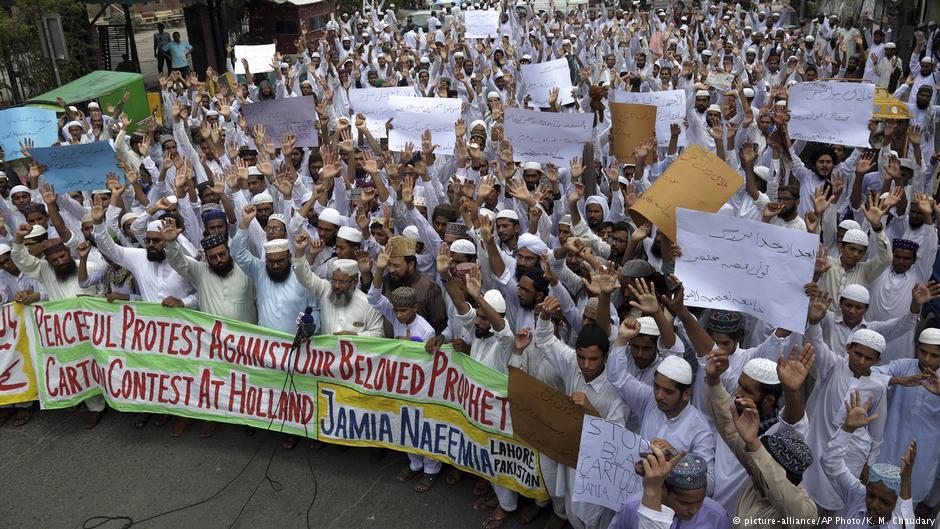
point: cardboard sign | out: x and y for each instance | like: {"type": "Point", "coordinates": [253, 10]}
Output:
{"type": "Point", "coordinates": [696, 180]}
{"type": "Point", "coordinates": [544, 417]}
{"type": "Point", "coordinates": [632, 125]}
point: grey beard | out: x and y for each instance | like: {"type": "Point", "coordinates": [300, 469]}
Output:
{"type": "Point", "coordinates": [341, 300]}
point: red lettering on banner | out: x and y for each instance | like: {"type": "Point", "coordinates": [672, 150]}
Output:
{"type": "Point", "coordinates": [439, 366]}
{"type": "Point", "coordinates": [204, 387]}
{"type": "Point", "coordinates": [346, 351]}
{"type": "Point", "coordinates": [115, 393]}
{"type": "Point", "coordinates": [127, 318]}
{"type": "Point", "coordinates": [6, 376]}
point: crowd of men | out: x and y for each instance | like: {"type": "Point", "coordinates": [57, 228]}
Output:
{"type": "Point", "coordinates": [516, 263]}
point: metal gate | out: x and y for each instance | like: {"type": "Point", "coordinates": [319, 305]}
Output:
{"type": "Point", "coordinates": [113, 42]}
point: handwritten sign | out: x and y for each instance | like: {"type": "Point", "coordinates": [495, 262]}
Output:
{"type": "Point", "coordinates": [541, 78]}
{"type": "Point", "coordinates": [259, 58]}
{"type": "Point", "coordinates": [753, 267]}
{"type": "Point", "coordinates": [831, 112]}
{"type": "Point", "coordinates": [481, 24]}
{"type": "Point", "coordinates": [290, 114]}
{"type": "Point", "coordinates": [605, 472]}
{"type": "Point", "coordinates": [720, 80]}
{"type": "Point", "coordinates": [632, 125]}
{"type": "Point", "coordinates": [17, 124]}
{"type": "Point", "coordinates": [670, 108]}
{"type": "Point", "coordinates": [696, 180]}
{"type": "Point", "coordinates": [546, 137]}
{"type": "Point", "coordinates": [544, 417]}
{"type": "Point", "coordinates": [373, 104]}
{"type": "Point", "coordinates": [414, 115]}
{"type": "Point", "coordinates": [78, 167]}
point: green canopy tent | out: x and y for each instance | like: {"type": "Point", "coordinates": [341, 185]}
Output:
{"type": "Point", "coordinates": [105, 87]}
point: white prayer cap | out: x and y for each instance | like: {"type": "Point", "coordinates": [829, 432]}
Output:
{"type": "Point", "coordinates": [714, 108]}
{"type": "Point", "coordinates": [276, 245]}
{"type": "Point", "coordinates": [857, 293]}
{"type": "Point", "coordinates": [72, 108]}
{"type": "Point", "coordinates": [463, 246]}
{"type": "Point", "coordinates": [279, 217]}
{"type": "Point", "coordinates": [531, 166]}
{"type": "Point", "coordinates": [4, 249]}
{"type": "Point", "coordinates": [748, 28]}
{"type": "Point", "coordinates": [331, 216]}
{"type": "Point", "coordinates": [707, 53]}
{"type": "Point", "coordinates": [19, 189]}
{"type": "Point", "coordinates": [565, 41]}
{"type": "Point", "coordinates": [315, 55]}
{"type": "Point", "coordinates": [781, 103]}
{"type": "Point", "coordinates": [849, 224]}
{"type": "Point", "coordinates": [346, 266]}
{"type": "Point", "coordinates": [130, 215]}
{"type": "Point", "coordinates": [495, 300]}
{"type": "Point", "coordinates": [477, 123]}
{"type": "Point", "coordinates": [507, 214]}
{"type": "Point", "coordinates": [890, 46]}
{"type": "Point", "coordinates": [675, 368]}
{"type": "Point", "coordinates": [929, 336]}
{"type": "Point", "coordinates": [349, 234]}
{"type": "Point", "coordinates": [493, 95]}
{"type": "Point", "coordinates": [648, 326]}
{"type": "Point", "coordinates": [93, 105]}
{"type": "Point", "coordinates": [172, 199]}
{"type": "Point", "coordinates": [532, 243]}
{"type": "Point", "coordinates": [748, 92]}
{"type": "Point", "coordinates": [868, 338]}
{"type": "Point", "coordinates": [420, 200]}
{"type": "Point", "coordinates": [306, 82]}
{"type": "Point", "coordinates": [927, 59]}
{"type": "Point", "coordinates": [855, 237]}
{"type": "Point", "coordinates": [565, 219]}
{"type": "Point", "coordinates": [526, 57]}
{"type": "Point", "coordinates": [411, 232]}
{"type": "Point", "coordinates": [87, 218]}
{"type": "Point", "coordinates": [762, 172]}
{"type": "Point", "coordinates": [210, 113]}
{"type": "Point", "coordinates": [73, 123]}
{"type": "Point", "coordinates": [702, 93]}
{"type": "Point", "coordinates": [907, 163]}
{"type": "Point", "coordinates": [810, 38]}
{"type": "Point", "coordinates": [3, 175]}
{"type": "Point", "coordinates": [683, 27]}
{"type": "Point", "coordinates": [459, 55]}
{"type": "Point", "coordinates": [154, 225]}
{"type": "Point", "coordinates": [306, 196]}
{"type": "Point", "coordinates": [254, 171]}
{"type": "Point", "coordinates": [345, 39]}
{"type": "Point", "coordinates": [762, 370]}
{"type": "Point", "coordinates": [488, 213]}
{"type": "Point", "coordinates": [37, 231]}
{"type": "Point", "coordinates": [262, 198]}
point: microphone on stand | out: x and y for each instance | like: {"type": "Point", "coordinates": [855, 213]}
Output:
{"type": "Point", "coordinates": [306, 327]}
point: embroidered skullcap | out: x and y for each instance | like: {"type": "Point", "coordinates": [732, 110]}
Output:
{"type": "Point", "coordinates": [762, 370]}
{"type": "Point", "coordinates": [508, 214]}
{"type": "Point", "coordinates": [495, 300]}
{"type": "Point", "coordinates": [87, 218]}
{"type": "Point", "coordinates": [789, 451]}
{"type": "Point", "coordinates": [349, 234]}
{"type": "Point", "coordinates": [702, 93]}
{"type": "Point", "coordinates": [331, 216]}
{"type": "Point", "coordinates": [4, 249]}
{"type": "Point", "coordinates": [904, 244]}
{"type": "Point", "coordinates": [380, 221]}
{"type": "Point", "coordinates": [636, 268]}
{"type": "Point", "coordinates": [37, 231]}
{"type": "Point", "coordinates": [856, 293]}
{"type": "Point", "coordinates": [33, 207]}
{"type": "Point", "coordinates": [403, 297]}
{"type": "Point", "coordinates": [689, 474]}
{"type": "Point", "coordinates": [849, 224]}
{"type": "Point", "coordinates": [165, 138]}
{"type": "Point", "coordinates": [531, 166]}
{"type": "Point", "coordinates": [724, 321]}
{"type": "Point", "coordinates": [213, 241]}
{"type": "Point", "coordinates": [401, 246]}
{"type": "Point", "coordinates": [889, 475]}
{"type": "Point", "coordinates": [346, 266]}
{"type": "Point", "coordinates": [411, 232]}
{"type": "Point", "coordinates": [675, 368]}
{"type": "Point", "coordinates": [262, 198]}
{"type": "Point", "coordinates": [648, 326]}
{"type": "Point", "coordinates": [532, 243]}
{"type": "Point", "coordinates": [212, 214]}
{"type": "Point", "coordinates": [463, 246]}
{"type": "Point", "coordinates": [868, 338]}
{"type": "Point", "coordinates": [855, 237]}
{"type": "Point", "coordinates": [565, 219]}
{"type": "Point", "coordinates": [19, 189]}
{"type": "Point", "coordinates": [278, 217]}
{"type": "Point", "coordinates": [929, 336]}
{"type": "Point", "coordinates": [592, 303]}
{"type": "Point", "coordinates": [276, 245]}
{"type": "Point", "coordinates": [155, 225]}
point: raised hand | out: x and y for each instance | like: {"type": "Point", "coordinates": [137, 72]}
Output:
{"type": "Point", "coordinates": [645, 293]}
{"type": "Point", "coordinates": [747, 422]}
{"type": "Point", "coordinates": [818, 307]}
{"type": "Point", "coordinates": [475, 283]}
{"type": "Point", "coordinates": [792, 370]}
{"type": "Point", "coordinates": [443, 261]}
{"type": "Point", "coordinates": [521, 340]}
{"type": "Point", "coordinates": [856, 412]}
{"type": "Point", "coordinates": [170, 232]}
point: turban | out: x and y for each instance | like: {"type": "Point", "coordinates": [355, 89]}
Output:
{"type": "Point", "coordinates": [532, 243]}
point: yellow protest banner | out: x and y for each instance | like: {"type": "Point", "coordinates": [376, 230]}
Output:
{"type": "Point", "coordinates": [697, 180]}
{"type": "Point", "coordinates": [17, 378]}
{"type": "Point", "coordinates": [632, 125]}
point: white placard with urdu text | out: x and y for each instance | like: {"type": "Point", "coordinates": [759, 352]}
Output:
{"type": "Point", "coordinates": [373, 104]}
{"type": "Point", "coordinates": [481, 24]}
{"type": "Point", "coordinates": [670, 108]}
{"type": "Point", "coordinates": [542, 77]}
{"type": "Point", "coordinates": [736, 264]}
{"type": "Point", "coordinates": [831, 112]}
{"type": "Point", "coordinates": [259, 58]}
{"type": "Point", "coordinates": [415, 114]}
{"type": "Point", "coordinates": [547, 137]}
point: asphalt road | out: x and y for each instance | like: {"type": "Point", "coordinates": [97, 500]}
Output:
{"type": "Point", "coordinates": [54, 474]}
